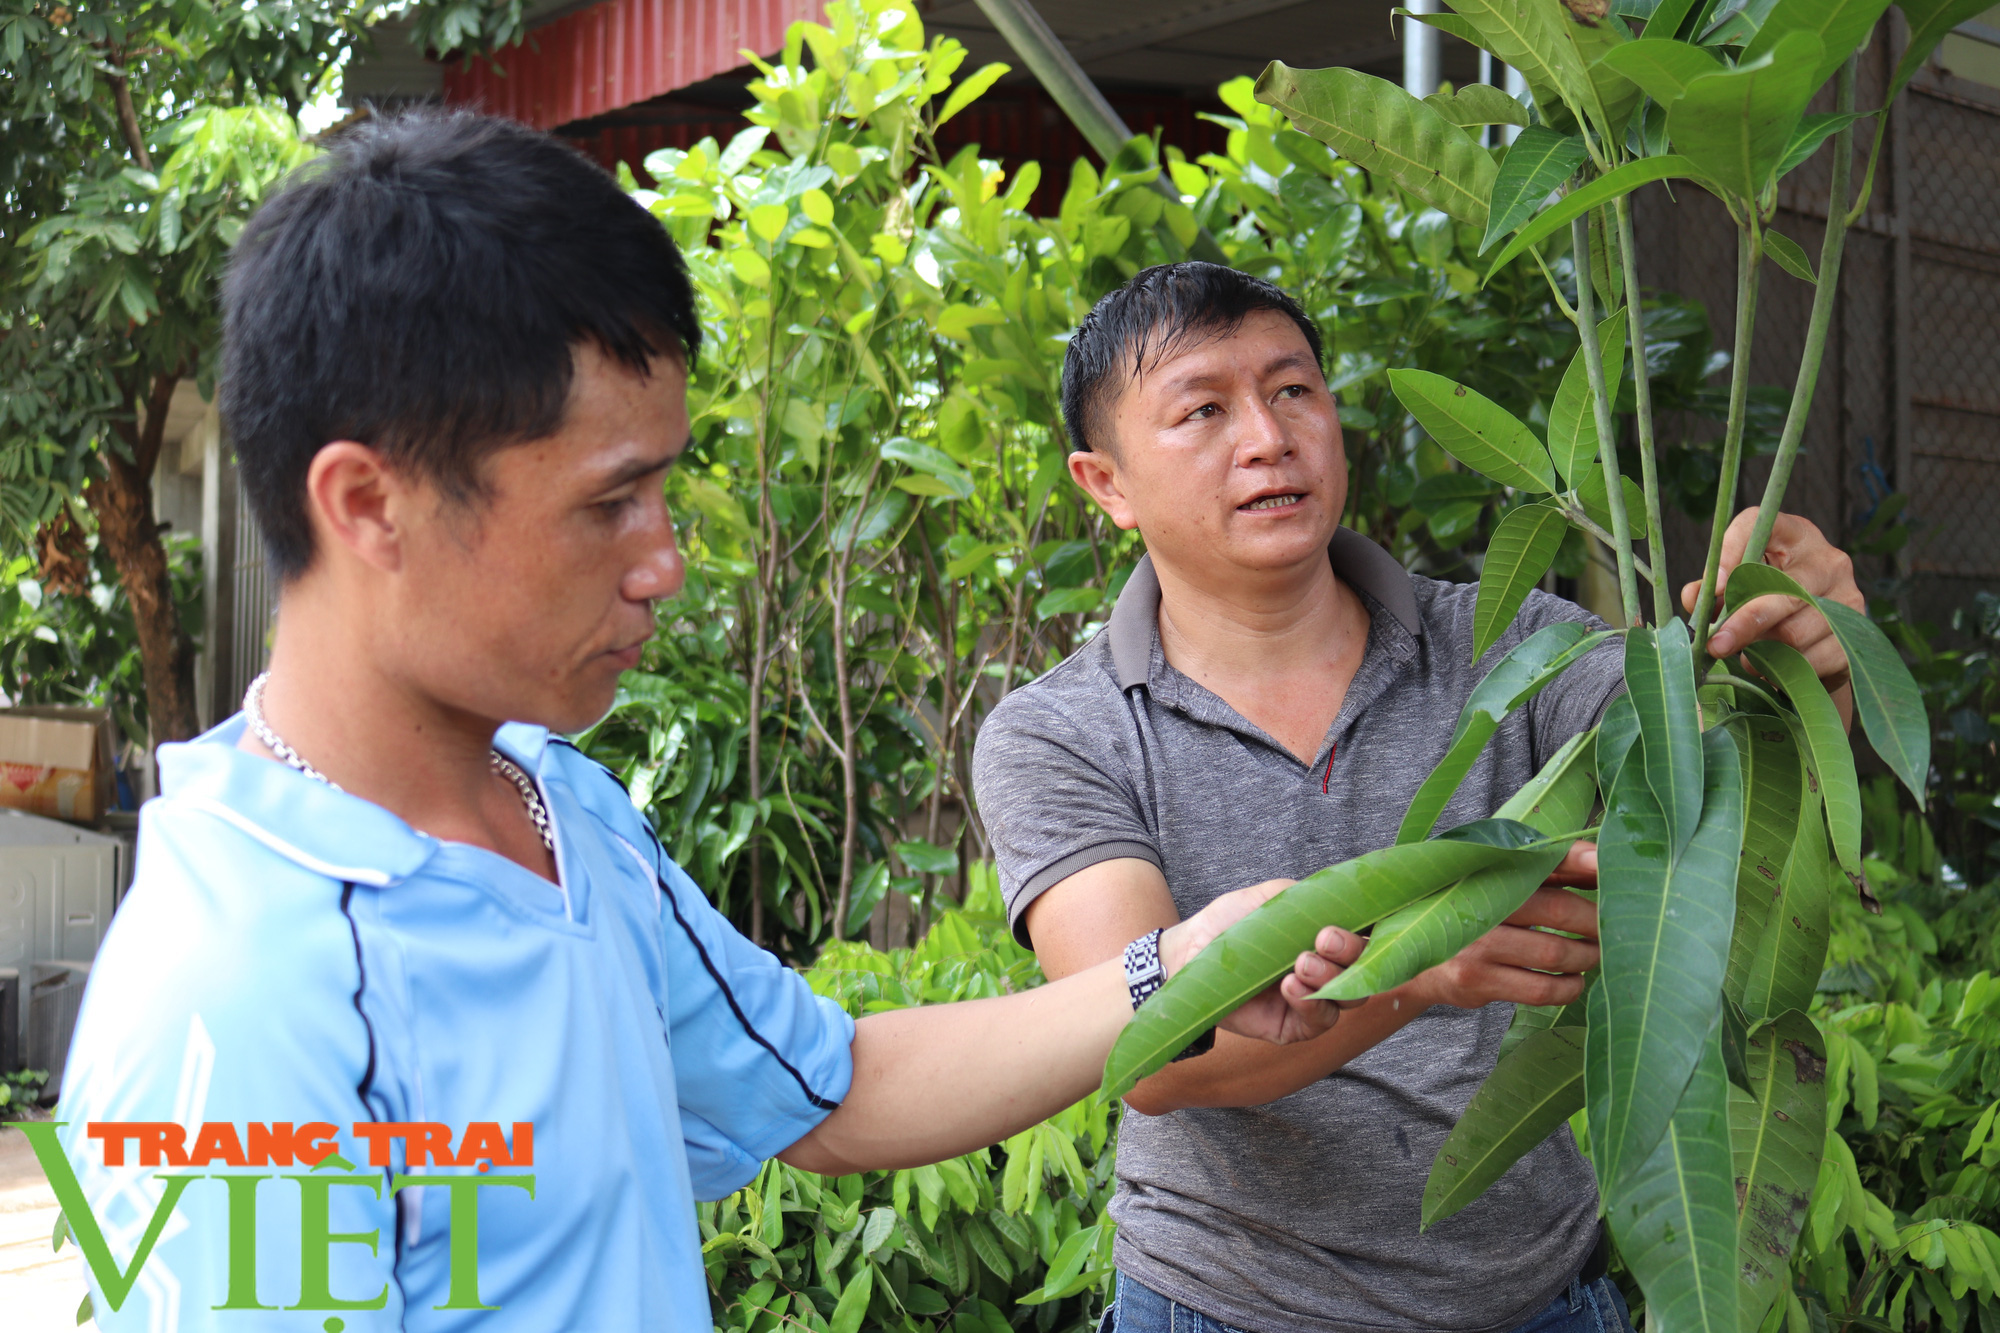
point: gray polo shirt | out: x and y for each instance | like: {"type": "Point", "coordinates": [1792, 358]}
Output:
{"type": "Point", "coordinates": [1303, 1213]}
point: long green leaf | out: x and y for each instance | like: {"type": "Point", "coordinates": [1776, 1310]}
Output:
{"type": "Point", "coordinates": [1538, 162]}
{"type": "Point", "coordinates": [1612, 185]}
{"type": "Point", "coordinates": [1572, 420]}
{"type": "Point", "coordinates": [1734, 125]}
{"type": "Point", "coordinates": [1659, 674]}
{"type": "Point", "coordinates": [1522, 549]}
{"type": "Point", "coordinates": [1929, 20]}
{"type": "Point", "coordinates": [1617, 733]}
{"type": "Point", "coordinates": [1832, 758]}
{"type": "Point", "coordinates": [1514, 679]}
{"type": "Point", "coordinates": [1556, 800]}
{"type": "Point", "coordinates": [1475, 430]}
{"type": "Point", "coordinates": [1668, 16]}
{"type": "Point", "coordinates": [1663, 68]}
{"type": "Point", "coordinates": [1376, 125]}
{"type": "Point", "coordinates": [1778, 1129]}
{"type": "Point", "coordinates": [1840, 26]}
{"type": "Point", "coordinates": [1675, 1220]}
{"type": "Point", "coordinates": [1773, 781]}
{"type": "Point", "coordinates": [1532, 1090]}
{"type": "Point", "coordinates": [1886, 697]}
{"type": "Point", "coordinates": [1529, 35]}
{"type": "Point", "coordinates": [1813, 131]}
{"type": "Point", "coordinates": [1262, 947]}
{"type": "Point", "coordinates": [1664, 926]}
{"type": "Point", "coordinates": [1617, 96]}
{"type": "Point", "coordinates": [1791, 953]}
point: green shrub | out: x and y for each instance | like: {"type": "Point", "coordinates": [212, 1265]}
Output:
{"type": "Point", "coordinates": [1009, 1237]}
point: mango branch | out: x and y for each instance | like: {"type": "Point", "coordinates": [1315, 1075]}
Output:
{"type": "Point", "coordinates": [1838, 219]}
{"type": "Point", "coordinates": [1649, 469]}
{"type": "Point", "coordinates": [1749, 255]}
{"type": "Point", "coordinates": [1600, 402]}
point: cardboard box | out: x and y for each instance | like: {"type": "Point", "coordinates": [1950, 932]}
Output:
{"type": "Point", "coordinates": [58, 762]}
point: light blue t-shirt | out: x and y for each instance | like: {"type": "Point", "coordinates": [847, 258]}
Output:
{"type": "Point", "coordinates": [290, 954]}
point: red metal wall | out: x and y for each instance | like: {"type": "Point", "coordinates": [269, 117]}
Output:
{"type": "Point", "coordinates": [619, 52]}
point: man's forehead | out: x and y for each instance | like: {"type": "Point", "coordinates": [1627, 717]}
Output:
{"type": "Point", "coordinates": [1264, 342]}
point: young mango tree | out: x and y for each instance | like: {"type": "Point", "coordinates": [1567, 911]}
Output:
{"type": "Point", "coordinates": [1731, 813]}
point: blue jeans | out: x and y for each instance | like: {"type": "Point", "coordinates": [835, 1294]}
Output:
{"type": "Point", "coordinates": [1585, 1307]}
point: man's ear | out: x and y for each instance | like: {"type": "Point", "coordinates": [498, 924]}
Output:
{"type": "Point", "coordinates": [1097, 474]}
{"type": "Point", "coordinates": [358, 503]}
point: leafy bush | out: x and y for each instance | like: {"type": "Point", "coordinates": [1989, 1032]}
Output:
{"type": "Point", "coordinates": [1009, 1237]}
{"type": "Point", "coordinates": [881, 536]}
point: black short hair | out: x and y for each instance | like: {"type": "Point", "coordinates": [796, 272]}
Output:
{"type": "Point", "coordinates": [1162, 311]}
{"type": "Point", "coordinates": [422, 288]}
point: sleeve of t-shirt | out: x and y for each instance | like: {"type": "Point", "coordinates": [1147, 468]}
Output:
{"type": "Point", "coordinates": [1575, 700]}
{"type": "Point", "coordinates": [759, 1060]}
{"type": "Point", "coordinates": [1053, 803]}
{"type": "Point", "coordinates": [195, 1016]}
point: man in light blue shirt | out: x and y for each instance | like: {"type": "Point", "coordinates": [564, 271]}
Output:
{"type": "Point", "coordinates": [408, 1021]}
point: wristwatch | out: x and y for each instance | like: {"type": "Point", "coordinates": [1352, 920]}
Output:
{"type": "Point", "coordinates": [1145, 973]}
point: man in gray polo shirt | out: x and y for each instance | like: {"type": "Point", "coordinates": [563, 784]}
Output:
{"type": "Point", "coordinates": [1266, 698]}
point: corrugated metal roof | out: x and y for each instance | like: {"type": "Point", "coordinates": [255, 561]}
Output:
{"type": "Point", "coordinates": [619, 52]}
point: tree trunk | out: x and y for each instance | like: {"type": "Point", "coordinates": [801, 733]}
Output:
{"type": "Point", "coordinates": [122, 501]}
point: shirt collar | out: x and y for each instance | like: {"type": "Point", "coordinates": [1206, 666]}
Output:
{"type": "Point", "coordinates": [321, 829]}
{"type": "Point", "coordinates": [1358, 562]}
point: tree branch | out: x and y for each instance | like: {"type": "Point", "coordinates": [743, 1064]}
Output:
{"type": "Point", "coordinates": [128, 118]}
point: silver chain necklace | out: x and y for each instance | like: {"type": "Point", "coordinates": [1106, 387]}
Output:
{"type": "Point", "coordinates": [253, 713]}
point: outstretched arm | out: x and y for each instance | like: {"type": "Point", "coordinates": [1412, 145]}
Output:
{"type": "Point", "coordinates": [934, 1082]}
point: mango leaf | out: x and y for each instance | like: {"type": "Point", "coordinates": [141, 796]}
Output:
{"type": "Point", "coordinates": [1538, 162]}
{"type": "Point", "coordinates": [1379, 127]}
{"type": "Point", "coordinates": [1929, 21]}
{"type": "Point", "coordinates": [1617, 96]}
{"type": "Point", "coordinates": [1667, 17]}
{"type": "Point", "coordinates": [1475, 430]}
{"type": "Point", "coordinates": [1590, 492]}
{"type": "Point", "coordinates": [1521, 551]}
{"type": "Point", "coordinates": [1572, 416]}
{"type": "Point", "coordinates": [1659, 674]}
{"type": "Point", "coordinates": [1479, 104]}
{"type": "Point", "coordinates": [1532, 1090]}
{"type": "Point", "coordinates": [1262, 947]}
{"type": "Point", "coordinates": [1617, 733]}
{"type": "Point", "coordinates": [1785, 252]}
{"type": "Point", "coordinates": [1791, 953]}
{"type": "Point", "coordinates": [1612, 185]}
{"type": "Point", "coordinates": [1832, 758]}
{"type": "Point", "coordinates": [1735, 125]}
{"type": "Point", "coordinates": [1840, 26]}
{"type": "Point", "coordinates": [1530, 35]}
{"type": "Point", "coordinates": [1556, 800]}
{"type": "Point", "coordinates": [1446, 22]}
{"type": "Point", "coordinates": [1514, 679]}
{"type": "Point", "coordinates": [1886, 697]}
{"type": "Point", "coordinates": [1778, 1129]}
{"type": "Point", "coordinates": [1675, 1220]}
{"type": "Point", "coordinates": [1665, 926]}
{"type": "Point", "coordinates": [1663, 68]}
{"type": "Point", "coordinates": [1814, 130]}
{"type": "Point", "coordinates": [1773, 782]}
